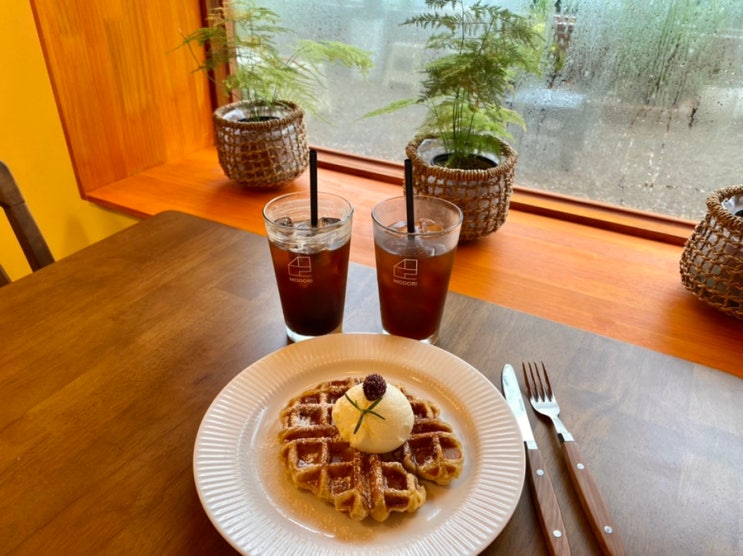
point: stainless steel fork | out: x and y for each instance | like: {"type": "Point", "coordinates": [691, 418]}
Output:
{"type": "Point", "coordinates": [543, 401]}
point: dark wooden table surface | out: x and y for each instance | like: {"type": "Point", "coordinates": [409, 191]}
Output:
{"type": "Point", "coordinates": [109, 359]}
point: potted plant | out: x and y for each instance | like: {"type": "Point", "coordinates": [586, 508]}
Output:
{"type": "Point", "coordinates": [712, 261]}
{"type": "Point", "coordinates": [460, 153]}
{"type": "Point", "coordinates": [261, 138]}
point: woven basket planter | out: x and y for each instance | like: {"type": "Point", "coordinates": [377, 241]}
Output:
{"type": "Point", "coordinates": [482, 195]}
{"type": "Point", "coordinates": [712, 261]}
{"type": "Point", "coordinates": [266, 154]}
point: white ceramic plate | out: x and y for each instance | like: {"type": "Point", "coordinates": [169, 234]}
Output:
{"type": "Point", "coordinates": [250, 500]}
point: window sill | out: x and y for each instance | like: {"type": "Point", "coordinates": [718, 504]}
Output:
{"type": "Point", "coordinates": [604, 269]}
{"type": "Point", "coordinates": [192, 180]}
{"type": "Point", "coordinates": [580, 211]}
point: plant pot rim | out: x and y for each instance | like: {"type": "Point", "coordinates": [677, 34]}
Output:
{"type": "Point", "coordinates": [505, 163]}
{"type": "Point", "coordinates": [721, 213]}
{"type": "Point", "coordinates": [285, 111]}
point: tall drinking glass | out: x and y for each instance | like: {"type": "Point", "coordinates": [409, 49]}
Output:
{"type": "Point", "coordinates": [310, 262]}
{"type": "Point", "coordinates": [413, 269]}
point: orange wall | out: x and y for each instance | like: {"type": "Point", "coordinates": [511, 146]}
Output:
{"type": "Point", "coordinates": [32, 145]}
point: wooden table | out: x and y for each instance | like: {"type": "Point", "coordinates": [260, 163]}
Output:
{"type": "Point", "coordinates": [109, 359]}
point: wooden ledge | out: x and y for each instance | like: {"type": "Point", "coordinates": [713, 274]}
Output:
{"type": "Point", "coordinates": [572, 209]}
{"type": "Point", "coordinates": [549, 259]}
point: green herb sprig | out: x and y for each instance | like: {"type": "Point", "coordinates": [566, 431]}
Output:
{"type": "Point", "coordinates": [364, 412]}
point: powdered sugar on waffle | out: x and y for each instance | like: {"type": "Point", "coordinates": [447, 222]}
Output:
{"type": "Point", "coordinates": [361, 484]}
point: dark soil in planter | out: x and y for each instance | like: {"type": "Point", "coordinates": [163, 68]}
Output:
{"type": "Point", "coordinates": [258, 119]}
{"type": "Point", "coordinates": [471, 162]}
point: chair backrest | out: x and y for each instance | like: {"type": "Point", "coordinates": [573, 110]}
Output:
{"type": "Point", "coordinates": [23, 224]}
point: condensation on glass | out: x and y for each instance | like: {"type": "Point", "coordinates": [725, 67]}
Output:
{"type": "Point", "coordinates": [639, 104]}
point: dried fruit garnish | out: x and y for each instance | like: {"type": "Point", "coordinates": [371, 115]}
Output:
{"type": "Point", "coordinates": [374, 387]}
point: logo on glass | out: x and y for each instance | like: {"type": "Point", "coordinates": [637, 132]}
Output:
{"type": "Point", "coordinates": [405, 273]}
{"type": "Point", "coordinates": [300, 269]}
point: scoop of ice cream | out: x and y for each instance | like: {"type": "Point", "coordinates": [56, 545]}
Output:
{"type": "Point", "coordinates": [382, 429]}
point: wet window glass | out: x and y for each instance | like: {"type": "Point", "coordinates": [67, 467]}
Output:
{"type": "Point", "coordinates": [639, 104]}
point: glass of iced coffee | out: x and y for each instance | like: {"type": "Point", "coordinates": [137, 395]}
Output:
{"type": "Point", "coordinates": [414, 263]}
{"type": "Point", "coordinates": [310, 260]}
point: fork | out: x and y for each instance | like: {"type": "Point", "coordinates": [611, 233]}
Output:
{"type": "Point", "coordinates": [543, 401]}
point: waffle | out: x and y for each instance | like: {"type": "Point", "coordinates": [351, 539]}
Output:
{"type": "Point", "coordinates": [432, 451]}
{"type": "Point", "coordinates": [319, 460]}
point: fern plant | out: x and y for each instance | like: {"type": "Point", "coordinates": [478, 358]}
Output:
{"type": "Point", "coordinates": [478, 48]}
{"type": "Point", "coordinates": [243, 35]}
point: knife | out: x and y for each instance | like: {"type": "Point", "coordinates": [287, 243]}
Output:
{"type": "Point", "coordinates": [545, 499]}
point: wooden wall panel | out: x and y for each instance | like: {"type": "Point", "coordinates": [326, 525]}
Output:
{"type": "Point", "coordinates": [128, 97]}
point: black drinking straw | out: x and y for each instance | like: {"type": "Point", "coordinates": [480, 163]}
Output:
{"type": "Point", "coordinates": [313, 188]}
{"type": "Point", "coordinates": [409, 195]}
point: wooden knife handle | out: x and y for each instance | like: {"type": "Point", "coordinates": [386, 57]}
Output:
{"type": "Point", "coordinates": [548, 509]}
{"type": "Point", "coordinates": [592, 501]}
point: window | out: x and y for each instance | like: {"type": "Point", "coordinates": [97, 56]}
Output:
{"type": "Point", "coordinates": [640, 103]}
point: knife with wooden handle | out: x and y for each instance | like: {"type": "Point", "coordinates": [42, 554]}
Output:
{"type": "Point", "coordinates": [550, 517]}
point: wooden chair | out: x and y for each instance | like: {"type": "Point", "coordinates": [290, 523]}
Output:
{"type": "Point", "coordinates": [23, 224]}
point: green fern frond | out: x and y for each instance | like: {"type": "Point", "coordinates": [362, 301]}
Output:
{"type": "Point", "coordinates": [318, 52]}
{"type": "Point", "coordinates": [480, 48]}
{"type": "Point", "coordinates": [392, 107]}
{"type": "Point", "coordinates": [243, 34]}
